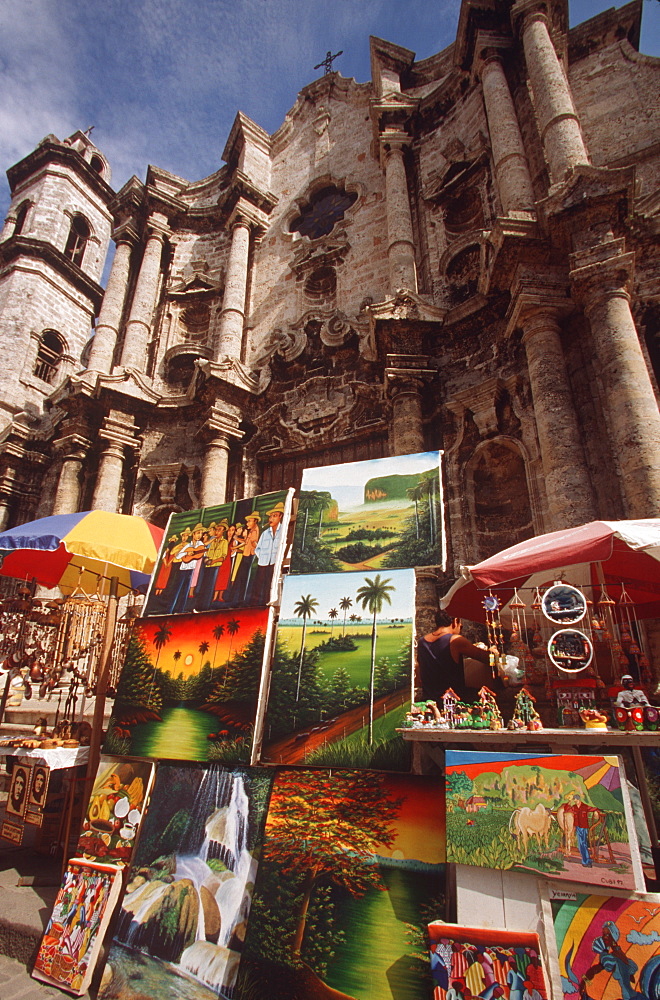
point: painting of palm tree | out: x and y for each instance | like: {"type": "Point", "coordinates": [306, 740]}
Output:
{"type": "Point", "coordinates": [217, 634]}
{"type": "Point", "coordinates": [304, 609]}
{"type": "Point", "coordinates": [345, 604]}
{"type": "Point", "coordinates": [233, 626]}
{"type": "Point", "coordinates": [162, 636]}
{"type": "Point", "coordinates": [371, 597]}
{"type": "Point", "coordinates": [333, 614]}
{"type": "Point", "coordinates": [203, 648]}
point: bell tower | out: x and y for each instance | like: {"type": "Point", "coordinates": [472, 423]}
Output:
{"type": "Point", "coordinates": [52, 251]}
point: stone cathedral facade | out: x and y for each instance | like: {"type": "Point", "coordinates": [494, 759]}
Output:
{"type": "Point", "coordinates": [461, 254]}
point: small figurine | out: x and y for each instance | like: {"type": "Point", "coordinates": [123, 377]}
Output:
{"type": "Point", "coordinates": [525, 712]}
{"type": "Point", "coordinates": [629, 694]}
{"type": "Point", "coordinates": [593, 719]}
{"type": "Point", "coordinates": [490, 708]}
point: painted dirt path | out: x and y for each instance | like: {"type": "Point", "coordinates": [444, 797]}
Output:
{"type": "Point", "coordinates": [292, 749]}
{"type": "Point", "coordinates": [600, 873]}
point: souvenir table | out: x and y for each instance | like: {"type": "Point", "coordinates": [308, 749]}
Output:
{"type": "Point", "coordinates": [56, 759]}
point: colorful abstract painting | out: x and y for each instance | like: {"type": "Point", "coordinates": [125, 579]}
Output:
{"type": "Point", "coordinates": [115, 810]}
{"type": "Point", "coordinates": [351, 872]}
{"type": "Point", "coordinates": [607, 947]}
{"type": "Point", "coordinates": [221, 557]}
{"type": "Point", "coordinates": [385, 513]}
{"type": "Point", "coordinates": [563, 816]}
{"type": "Point", "coordinates": [73, 938]}
{"type": "Point", "coordinates": [189, 687]}
{"type": "Point", "coordinates": [342, 670]}
{"type": "Point", "coordinates": [183, 921]}
{"type": "Point", "coordinates": [470, 962]}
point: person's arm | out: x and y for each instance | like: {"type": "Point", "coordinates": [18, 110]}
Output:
{"type": "Point", "coordinates": [460, 645]}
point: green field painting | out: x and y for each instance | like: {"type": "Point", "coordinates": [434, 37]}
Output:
{"type": "Point", "coordinates": [333, 677]}
{"type": "Point", "coordinates": [379, 514]}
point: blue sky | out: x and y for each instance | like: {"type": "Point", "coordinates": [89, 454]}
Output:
{"type": "Point", "coordinates": [161, 80]}
{"type": "Point", "coordinates": [329, 588]}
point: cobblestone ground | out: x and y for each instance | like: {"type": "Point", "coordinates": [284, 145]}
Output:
{"type": "Point", "coordinates": [17, 984]}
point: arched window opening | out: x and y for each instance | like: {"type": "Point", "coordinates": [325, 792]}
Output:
{"type": "Point", "coordinates": [21, 216]}
{"type": "Point", "coordinates": [323, 212]}
{"type": "Point", "coordinates": [77, 239]}
{"type": "Point", "coordinates": [96, 163]}
{"type": "Point", "coordinates": [49, 356]}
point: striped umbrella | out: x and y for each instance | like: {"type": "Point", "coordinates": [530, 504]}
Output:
{"type": "Point", "coordinates": [82, 551]}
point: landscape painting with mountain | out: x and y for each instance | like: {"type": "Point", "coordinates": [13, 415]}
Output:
{"type": "Point", "coordinates": [342, 671]}
{"type": "Point", "coordinates": [182, 925]}
{"type": "Point", "coordinates": [558, 815]}
{"type": "Point", "coordinates": [352, 870]}
{"type": "Point", "coordinates": [379, 514]}
{"type": "Point", "coordinates": [189, 687]}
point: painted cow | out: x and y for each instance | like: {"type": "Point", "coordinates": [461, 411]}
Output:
{"type": "Point", "coordinates": [526, 823]}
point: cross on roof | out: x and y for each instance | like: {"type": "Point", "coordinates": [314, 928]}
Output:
{"type": "Point", "coordinates": [328, 61]}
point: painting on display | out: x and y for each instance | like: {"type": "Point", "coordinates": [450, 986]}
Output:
{"type": "Point", "coordinates": [484, 962]}
{"type": "Point", "coordinates": [351, 871]}
{"type": "Point", "coordinates": [221, 557]}
{"type": "Point", "coordinates": [17, 799]}
{"type": "Point", "coordinates": [189, 686]}
{"type": "Point", "coordinates": [36, 800]}
{"type": "Point", "coordinates": [342, 670]}
{"type": "Point", "coordinates": [73, 938]}
{"type": "Point", "coordinates": [381, 514]}
{"type": "Point", "coordinates": [115, 810]}
{"type": "Point", "coordinates": [603, 947]}
{"type": "Point", "coordinates": [562, 816]}
{"type": "Point", "coordinates": [182, 925]}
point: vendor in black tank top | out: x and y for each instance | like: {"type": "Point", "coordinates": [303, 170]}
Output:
{"type": "Point", "coordinates": [440, 658]}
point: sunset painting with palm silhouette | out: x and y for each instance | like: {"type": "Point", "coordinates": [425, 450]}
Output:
{"type": "Point", "coordinates": [189, 687]}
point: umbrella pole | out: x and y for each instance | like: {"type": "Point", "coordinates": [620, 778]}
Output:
{"type": "Point", "coordinates": [102, 683]}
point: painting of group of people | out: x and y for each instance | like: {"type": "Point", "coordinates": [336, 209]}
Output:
{"type": "Point", "coordinates": [220, 557]}
{"type": "Point", "coordinates": [471, 962]}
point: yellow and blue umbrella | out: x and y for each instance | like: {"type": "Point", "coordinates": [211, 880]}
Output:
{"type": "Point", "coordinates": [82, 551]}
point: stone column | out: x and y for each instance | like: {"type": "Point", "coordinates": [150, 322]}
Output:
{"type": "Point", "coordinates": [400, 242]}
{"type": "Point", "coordinates": [108, 480]}
{"type": "Point", "coordinates": [67, 494]}
{"type": "Point", "coordinates": [107, 327]}
{"type": "Point", "coordinates": [567, 483]}
{"type": "Point", "coordinates": [557, 119]}
{"type": "Point", "coordinates": [634, 421]}
{"type": "Point", "coordinates": [138, 327]}
{"type": "Point", "coordinates": [4, 512]}
{"type": "Point", "coordinates": [232, 316]}
{"type": "Point", "coordinates": [214, 471]}
{"type": "Point", "coordinates": [514, 182]}
{"type": "Point", "coordinates": [407, 430]}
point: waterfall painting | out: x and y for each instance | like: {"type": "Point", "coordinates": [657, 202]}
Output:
{"type": "Point", "coordinates": [385, 513]}
{"type": "Point", "coordinates": [221, 557]}
{"type": "Point", "coordinates": [183, 920]}
{"type": "Point", "coordinates": [604, 947]}
{"type": "Point", "coordinates": [350, 875]}
{"type": "Point", "coordinates": [189, 687]}
{"type": "Point", "coordinates": [342, 671]}
{"type": "Point", "coordinates": [484, 963]}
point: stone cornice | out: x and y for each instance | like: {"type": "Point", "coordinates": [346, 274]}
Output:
{"type": "Point", "coordinates": [24, 246]}
{"type": "Point", "coordinates": [218, 422]}
{"type": "Point", "coordinates": [389, 56]}
{"type": "Point", "coordinates": [533, 291]}
{"type": "Point", "coordinates": [244, 130]}
{"type": "Point", "coordinates": [51, 150]}
{"type": "Point", "coordinates": [242, 189]}
{"type": "Point", "coordinates": [231, 371]}
{"type": "Point", "coordinates": [476, 15]}
{"type": "Point", "coordinates": [405, 305]}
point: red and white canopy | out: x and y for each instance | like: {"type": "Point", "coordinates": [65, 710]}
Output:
{"type": "Point", "coordinates": [626, 553]}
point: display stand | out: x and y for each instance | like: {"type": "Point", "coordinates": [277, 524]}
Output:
{"type": "Point", "coordinates": [426, 742]}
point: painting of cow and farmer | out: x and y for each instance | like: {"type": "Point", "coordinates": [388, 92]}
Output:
{"type": "Point", "coordinates": [385, 513]}
{"type": "Point", "coordinates": [561, 816]}
{"type": "Point", "coordinates": [342, 670]}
